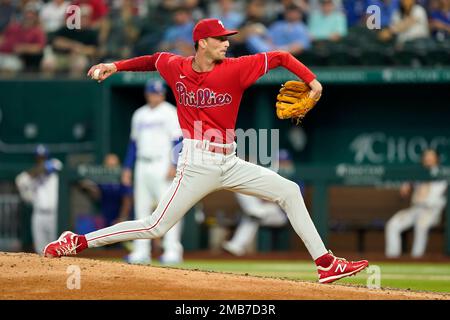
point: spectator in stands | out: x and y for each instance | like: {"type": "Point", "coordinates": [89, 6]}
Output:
{"type": "Point", "coordinates": [315, 5]}
{"type": "Point", "coordinates": [387, 10]}
{"type": "Point", "coordinates": [140, 7]}
{"type": "Point", "coordinates": [256, 12]}
{"type": "Point", "coordinates": [72, 49]}
{"type": "Point", "coordinates": [157, 21]}
{"type": "Point", "coordinates": [196, 7]}
{"type": "Point", "coordinates": [53, 15]}
{"type": "Point", "coordinates": [289, 35]}
{"type": "Point", "coordinates": [178, 38]}
{"type": "Point", "coordinates": [328, 23]}
{"type": "Point", "coordinates": [115, 198]}
{"type": "Point", "coordinates": [7, 10]}
{"type": "Point", "coordinates": [22, 4]}
{"type": "Point", "coordinates": [228, 13]}
{"type": "Point", "coordinates": [440, 21]}
{"type": "Point", "coordinates": [120, 32]}
{"type": "Point", "coordinates": [427, 203]}
{"type": "Point", "coordinates": [431, 5]}
{"type": "Point", "coordinates": [355, 11]}
{"type": "Point", "coordinates": [22, 44]}
{"type": "Point", "coordinates": [255, 24]}
{"type": "Point", "coordinates": [280, 8]}
{"type": "Point", "coordinates": [409, 23]}
{"type": "Point", "coordinates": [99, 10]}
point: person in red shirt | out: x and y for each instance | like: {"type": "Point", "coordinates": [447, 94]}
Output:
{"type": "Point", "coordinates": [98, 7]}
{"type": "Point", "coordinates": [208, 88]}
{"type": "Point", "coordinates": [72, 50]}
{"type": "Point", "coordinates": [22, 44]}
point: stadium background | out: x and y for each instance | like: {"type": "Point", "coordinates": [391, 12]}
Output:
{"type": "Point", "coordinates": [382, 106]}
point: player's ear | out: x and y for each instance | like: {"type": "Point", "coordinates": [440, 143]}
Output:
{"type": "Point", "coordinates": [202, 43]}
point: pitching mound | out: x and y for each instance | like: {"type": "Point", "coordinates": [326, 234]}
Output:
{"type": "Point", "coordinates": [29, 276]}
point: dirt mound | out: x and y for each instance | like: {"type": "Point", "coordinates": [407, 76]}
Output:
{"type": "Point", "coordinates": [29, 276]}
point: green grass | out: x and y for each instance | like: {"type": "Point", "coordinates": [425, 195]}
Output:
{"type": "Point", "coordinates": [413, 276]}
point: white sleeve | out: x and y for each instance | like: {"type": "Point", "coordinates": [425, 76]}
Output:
{"type": "Point", "coordinates": [395, 18]}
{"type": "Point", "coordinates": [173, 126]}
{"type": "Point", "coordinates": [134, 129]}
{"type": "Point", "coordinates": [420, 15]}
{"type": "Point", "coordinates": [436, 195]}
{"type": "Point", "coordinates": [25, 185]}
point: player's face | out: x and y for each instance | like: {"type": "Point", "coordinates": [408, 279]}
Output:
{"type": "Point", "coordinates": [111, 161]}
{"type": "Point", "coordinates": [430, 159]}
{"type": "Point", "coordinates": [154, 99]}
{"type": "Point", "coordinates": [40, 159]}
{"type": "Point", "coordinates": [217, 47]}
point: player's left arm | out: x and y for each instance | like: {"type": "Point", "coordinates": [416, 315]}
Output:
{"type": "Point", "coordinates": [131, 155]}
{"type": "Point", "coordinates": [130, 159]}
{"type": "Point", "coordinates": [288, 61]}
{"type": "Point", "coordinates": [25, 185]}
{"type": "Point", "coordinates": [176, 136]}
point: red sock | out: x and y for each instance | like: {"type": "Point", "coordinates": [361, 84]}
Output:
{"type": "Point", "coordinates": [325, 260]}
{"type": "Point", "coordinates": [83, 243]}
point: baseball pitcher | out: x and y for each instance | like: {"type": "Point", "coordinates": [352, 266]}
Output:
{"type": "Point", "coordinates": [208, 88]}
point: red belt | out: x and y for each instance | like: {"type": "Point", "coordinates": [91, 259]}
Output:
{"type": "Point", "coordinates": [217, 149]}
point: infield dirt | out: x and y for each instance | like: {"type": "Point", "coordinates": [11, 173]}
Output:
{"type": "Point", "coordinates": [29, 276]}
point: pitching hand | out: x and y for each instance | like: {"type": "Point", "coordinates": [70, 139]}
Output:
{"type": "Point", "coordinates": [104, 71]}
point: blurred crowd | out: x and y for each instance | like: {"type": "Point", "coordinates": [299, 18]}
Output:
{"type": "Point", "coordinates": [65, 37]}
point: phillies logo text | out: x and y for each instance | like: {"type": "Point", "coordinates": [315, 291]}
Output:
{"type": "Point", "coordinates": [203, 98]}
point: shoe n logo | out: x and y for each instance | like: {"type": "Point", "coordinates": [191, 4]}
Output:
{"type": "Point", "coordinates": [341, 267]}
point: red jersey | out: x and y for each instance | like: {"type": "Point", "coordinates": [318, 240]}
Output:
{"type": "Point", "coordinates": [99, 8]}
{"type": "Point", "coordinates": [208, 102]}
{"type": "Point", "coordinates": [16, 34]}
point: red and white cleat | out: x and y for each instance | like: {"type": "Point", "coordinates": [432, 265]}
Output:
{"type": "Point", "coordinates": [339, 269]}
{"type": "Point", "coordinates": [68, 244]}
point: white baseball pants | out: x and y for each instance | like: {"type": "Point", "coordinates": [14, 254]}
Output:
{"type": "Point", "coordinates": [150, 183]}
{"type": "Point", "coordinates": [43, 229]}
{"type": "Point", "coordinates": [201, 172]}
{"type": "Point", "coordinates": [421, 218]}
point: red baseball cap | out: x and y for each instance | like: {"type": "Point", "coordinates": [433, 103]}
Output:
{"type": "Point", "coordinates": [210, 28]}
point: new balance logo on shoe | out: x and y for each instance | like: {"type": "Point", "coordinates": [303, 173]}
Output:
{"type": "Point", "coordinates": [341, 268]}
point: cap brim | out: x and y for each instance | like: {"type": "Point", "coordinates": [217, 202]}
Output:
{"type": "Point", "coordinates": [221, 34]}
{"type": "Point", "coordinates": [226, 33]}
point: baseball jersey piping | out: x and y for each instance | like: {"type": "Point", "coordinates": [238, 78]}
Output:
{"type": "Point", "coordinates": [162, 215]}
{"type": "Point", "coordinates": [266, 63]}
{"type": "Point", "coordinates": [156, 63]}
